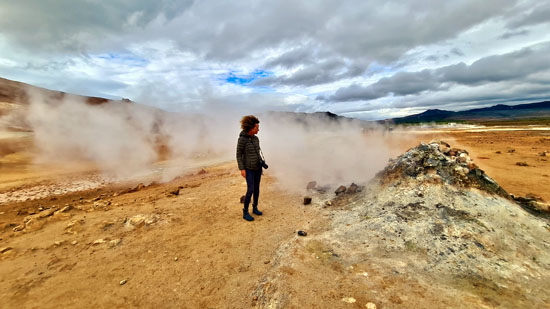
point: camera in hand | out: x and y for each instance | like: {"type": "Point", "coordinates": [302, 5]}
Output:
{"type": "Point", "coordinates": [263, 164]}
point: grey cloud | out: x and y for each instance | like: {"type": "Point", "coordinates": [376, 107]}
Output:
{"type": "Point", "coordinates": [511, 66]}
{"type": "Point", "coordinates": [510, 34]}
{"type": "Point", "coordinates": [315, 74]}
{"type": "Point", "coordinates": [77, 25]}
{"type": "Point", "coordinates": [456, 51]}
{"type": "Point", "coordinates": [539, 14]}
{"type": "Point", "coordinates": [229, 30]}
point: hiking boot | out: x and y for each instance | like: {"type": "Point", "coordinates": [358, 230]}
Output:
{"type": "Point", "coordinates": [256, 211]}
{"type": "Point", "coordinates": [247, 216]}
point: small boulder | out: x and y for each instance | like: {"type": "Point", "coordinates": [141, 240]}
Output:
{"type": "Point", "coordinates": [340, 190]}
{"type": "Point", "coordinates": [522, 164]}
{"type": "Point", "coordinates": [307, 200]}
{"type": "Point", "coordinates": [302, 233]}
{"type": "Point", "coordinates": [353, 188]}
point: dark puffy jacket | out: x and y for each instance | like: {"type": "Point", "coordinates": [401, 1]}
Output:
{"type": "Point", "coordinates": [247, 155]}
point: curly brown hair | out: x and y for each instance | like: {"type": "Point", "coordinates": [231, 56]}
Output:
{"type": "Point", "coordinates": [249, 122]}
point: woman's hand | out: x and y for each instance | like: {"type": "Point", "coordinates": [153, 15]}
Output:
{"type": "Point", "coordinates": [243, 173]}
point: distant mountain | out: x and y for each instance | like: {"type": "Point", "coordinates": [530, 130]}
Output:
{"type": "Point", "coordinates": [500, 112]}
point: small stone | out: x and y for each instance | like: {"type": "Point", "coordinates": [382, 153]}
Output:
{"type": "Point", "coordinates": [74, 242]}
{"type": "Point", "coordinates": [370, 306]}
{"type": "Point", "coordinates": [5, 249]}
{"type": "Point", "coordinates": [98, 241]}
{"type": "Point", "coordinates": [46, 213]}
{"type": "Point", "coordinates": [267, 262]}
{"type": "Point", "coordinates": [175, 192]}
{"type": "Point", "coordinates": [59, 243]}
{"type": "Point", "coordinates": [328, 203]}
{"type": "Point", "coordinates": [18, 228]}
{"type": "Point", "coordinates": [66, 208]}
{"type": "Point", "coordinates": [202, 172]}
{"type": "Point", "coordinates": [353, 188]}
{"type": "Point", "coordinates": [307, 200]}
{"type": "Point", "coordinates": [176, 258]}
{"type": "Point", "coordinates": [340, 190]}
{"type": "Point", "coordinates": [123, 282]}
{"type": "Point", "coordinates": [115, 242]}
{"type": "Point", "coordinates": [511, 150]}
{"type": "Point", "coordinates": [522, 164]}
{"type": "Point", "coordinates": [302, 233]}
{"type": "Point", "coordinates": [349, 300]}
{"type": "Point", "coordinates": [311, 185]}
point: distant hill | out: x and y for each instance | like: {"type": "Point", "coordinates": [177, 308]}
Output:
{"type": "Point", "coordinates": [500, 112]}
{"type": "Point", "coordinates": [14, 92]}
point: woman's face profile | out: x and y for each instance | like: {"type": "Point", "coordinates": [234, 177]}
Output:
{"type": "Point", "coordinates": [254, 130]}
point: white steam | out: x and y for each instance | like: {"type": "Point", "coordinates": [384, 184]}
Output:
{"type": "Point", "coordinates": [128, 140]}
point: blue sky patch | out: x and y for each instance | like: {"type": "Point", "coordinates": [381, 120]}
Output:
{"type": "Point", "coordinates": [233, 77]}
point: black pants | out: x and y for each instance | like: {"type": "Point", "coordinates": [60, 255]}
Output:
{"type": "Point", "coordinates": [253, 178]}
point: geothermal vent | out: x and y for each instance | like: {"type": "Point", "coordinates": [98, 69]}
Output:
{"type": "Point", "coordinates": [431, 231]}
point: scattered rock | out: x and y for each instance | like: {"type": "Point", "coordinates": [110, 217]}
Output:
{"type": "Point", "coordinates": [102, 205]}
{"type": "Point", "coordinates": [522, 164]}
{"type": "Point", "coordinates": [98, 241]}
{"type": "Point", "coordinates": [59, 243]}
{"type": "Point", "coordinates": [175, 192]}
{"type": "Point", "coordinates": [370, 306]}
{"type": "Point", "coordinates": [113, 243]}
{"type": "Point", "coordinates": [202, 172]}
{"type": "Point", "coordinates": [123, 282]}
{"type": "Point", "coordinates": [544, 154]}
{"type": "Point", "coordinates": [353, 188]}
{"type": "Point", "coordinates": [307, 200]}
{"type": "Point", "coordinates": [5, 249]}
{"type": "Point", "coordinates": [74, 242]}
{"type": "Point", "coordinates": [498, 152]}
{"type": "Point", "coordinates": [140, 220]}
{"type": "Point", "coordinates": [18, 228]}
{"type": "Point", "coordinates": [340, 190]}
{"type": "Point", "coordinates": [328, 203]}
{"type": "Point", "coordinates": [349, 300]}
{"type": "Point", "coordinates": [302, 233]}
{"type": "Point", "coordinates": [66, 208]}
{"type": "Point", "coordinates": [311, 185]}
{"type": "Point", "coordinates": [511, 150]}
{"type": "Point", "coordinates": [46, 213]}
{"type": "Point", "coordinates": [176, 258]}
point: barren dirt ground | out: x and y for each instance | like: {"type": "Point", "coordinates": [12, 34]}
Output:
{"type": "Point", "coordinates": [115, 247]}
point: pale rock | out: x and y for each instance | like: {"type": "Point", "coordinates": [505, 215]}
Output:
{"type": "Point", "coordinates": [98, 241]}
{"type": "Point", "coordinates": [370, 306]}
{"type": "Point", "coordinates": [115, 242]}
{"type": "Point", "coordinates": [349, 300]}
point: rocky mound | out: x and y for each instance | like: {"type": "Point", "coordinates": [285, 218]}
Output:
{"type": "Point", "coordinates": [433, 230]}
{"type": "Point", "coordinates": [438, 162]}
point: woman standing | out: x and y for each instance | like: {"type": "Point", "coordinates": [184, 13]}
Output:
{"type": "Point", "coordinates": [249, 160]}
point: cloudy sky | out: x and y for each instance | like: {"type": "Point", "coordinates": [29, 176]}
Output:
{"type": "Point", "coordinates": [371, 59]}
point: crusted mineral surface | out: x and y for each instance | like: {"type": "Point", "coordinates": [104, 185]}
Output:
{"type": "Point", "coordinates": [431, 230]}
